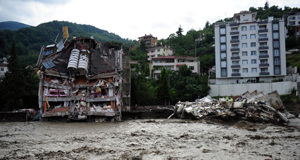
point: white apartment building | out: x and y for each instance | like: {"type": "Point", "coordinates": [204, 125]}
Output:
{"type": "Point", "coordinates": [173, 63]}
{"type": "Point", "coordinates": [159, 51]}
{"type": "Point", "coordinates": [294, 18]}
{"type": "Point", "coordinates": [249, 50]}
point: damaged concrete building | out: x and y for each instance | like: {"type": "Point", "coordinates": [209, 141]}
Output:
{"type": "Point", "coordinates": [80, 79]}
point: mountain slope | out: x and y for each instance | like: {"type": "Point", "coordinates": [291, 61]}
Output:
{"type": "Point", "coordinates": [11, 25]}
{"type": "Point", "coordinates": [30, 40]}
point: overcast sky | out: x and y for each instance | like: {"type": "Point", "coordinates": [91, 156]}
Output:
{"type": "Point", "coordinates": [131, 18]}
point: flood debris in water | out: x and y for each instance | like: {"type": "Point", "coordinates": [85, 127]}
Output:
{"type": "Point", "coordinates": [254, 106]}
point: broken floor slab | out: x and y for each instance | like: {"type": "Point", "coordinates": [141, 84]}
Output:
{"type": "Point", "coordinates": [254, 106]}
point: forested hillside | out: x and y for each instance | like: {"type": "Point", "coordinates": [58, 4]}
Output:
{"type": "Point", "coordinates": [11, 25]}
{"type": "Point", "coordinates": [30, 40]}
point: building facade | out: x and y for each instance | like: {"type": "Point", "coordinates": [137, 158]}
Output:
{"type": "Point", "coordinates": [159, 51]}
{"type": "Point", "coordinates": [173, 63]}
{"type": "Point", "coordinates": [293, 19]}
{"type": "Point", "coordinates": [249, 50]}
{"type": "Point", "coordinates": [149, 40]}
{"type": "Point", "coordinates": [3, 69]}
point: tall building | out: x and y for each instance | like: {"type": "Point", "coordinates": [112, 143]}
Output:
{"type": "Point", "coordinates": [249, 50]}
{"type": "Point", "coordinates": [149, 40]}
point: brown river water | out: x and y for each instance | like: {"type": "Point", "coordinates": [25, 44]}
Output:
{"type": "Point", "coordinates": [148, 139]}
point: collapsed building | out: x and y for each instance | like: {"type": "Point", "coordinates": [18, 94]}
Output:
{"type": "Point", "coordinates": [80, 79]}
{"type": "Point", "coordinates": [254, 106]}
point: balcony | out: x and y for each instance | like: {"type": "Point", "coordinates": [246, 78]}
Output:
{"type": "Point", "coordinates": [264, 73]}
{"type": "Point", "coordinates": [263, 56]}
{"type": "Point", "coordinates": [223, 58]}
{"type": "Point", "coordinates": [235, 74]}
{"type": "Point", "coordinates": [263, 39]}
{"type": "Point", "coordinates": [234, 24]}
{"type": "Point", "coordinates": [235, 49]}
{"type": "Point", "coordinates": [263, 47]}
{"type": "Point", "coordinates": [263, 21]}
{"type": "Point", "coordinates": [234, 32]}
{"type": "Point", "coordinates": [262, 30]}
{"type": "Point", "coordinates": [234, 41]}
{"type": "Point", "coordinates": [264, 65]}
{"type": "Point", "coordinates": [236, 66]}
{"type": "Point", "coordinates": [235, 57]}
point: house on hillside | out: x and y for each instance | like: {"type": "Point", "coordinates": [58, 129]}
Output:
{"type": "Point", "coordinates": [149, 40]}
{"type": "Point", "coordinates": [293, 19]}
{"type": "Point", "coordinates": [249, 50]}
{"type": "Point", "coordinates": [173, 63]}
{"type": "Point", "coordinates": [3, 68]}
{"type": "Point", "coordinates": [159, 51]}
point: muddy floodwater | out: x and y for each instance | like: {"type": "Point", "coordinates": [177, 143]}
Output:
{"type": "Point", "coordinates": [148, 140]}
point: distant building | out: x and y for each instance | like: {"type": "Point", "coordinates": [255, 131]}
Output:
{"type": "Point", "coordinates": [3, 68]}
{"type": "Point", "coordinates": [173, 63]}
{"type": "Point", "coordinates": [249, 49]}
{"type": "Point", "coordinates": [149, 40]}
{"type": "Point", "coordinates": [159, 51]}
{"type": "Point", "coordinates": [293, 19]}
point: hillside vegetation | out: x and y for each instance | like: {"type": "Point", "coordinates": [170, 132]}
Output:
{"type": "Point", "coordinates": [30, 40]}
{"type": "Point", "coordinates": [11, 25]}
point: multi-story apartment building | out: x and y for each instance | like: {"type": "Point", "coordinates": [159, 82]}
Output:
{"type": "Point", "coordinates": [149, 40]}
{"type": "Point", "coordinates": [173, 63]}
{"type": "Point", "coordinates": [249, 50]}
{"type": "Point", "coordinates": [293, 19]}
{"type": "Point", "coordinates": [159, 51]}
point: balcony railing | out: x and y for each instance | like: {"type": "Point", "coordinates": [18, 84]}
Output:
{"type": "Point", "coordinates": [235, 74]}
{"type": "Point", "coordinates": [262, 30]}
{"type": "Point", "coordinates": [235, 49]}
{"type": "Point", "coordinates": [235, 57]}
{"type": "Point", "coordinates": [263, 56]}
{"type": "Point", "coordinates": [263, 39]}
{"type": "Point", "coordinates": [264, 73]}
{"type": "Point", "coordinates": [234, 32]}
{"type": "Point", "coordinates": [263, 47]}
{"type": "Point", "coordinates": [264, 65]}
{"type": "Point", "coordinates": [236, 66]}
{"type": "Point", "coordinates": [234, 24]}
{"type": "Point", "coordinates": [234, 41]}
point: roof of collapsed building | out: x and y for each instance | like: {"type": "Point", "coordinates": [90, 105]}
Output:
{"type": "Point", "coordinates": [96, 57]}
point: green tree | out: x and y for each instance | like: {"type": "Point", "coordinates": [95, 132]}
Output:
{"type": "Point", "coordinates": [266, 5]}
{"type": "Point", "coordinates": [13, 84]}
{"type": "Point", "coordinates": [163, 88]}
{"type": "Point", "coordinates": [179, 32]}
{"type": "Point", "coordinates": [206, 61]}
{"type": "Point", "coordinates": [187, 86]}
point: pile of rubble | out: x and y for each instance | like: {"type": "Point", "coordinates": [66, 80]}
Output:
{"type": "Point", "coordinates": [255, 106]}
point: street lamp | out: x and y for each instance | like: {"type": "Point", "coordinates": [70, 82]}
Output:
{"type": "Point", "coordinates": [198, 40]}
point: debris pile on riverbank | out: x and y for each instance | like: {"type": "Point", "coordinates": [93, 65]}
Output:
{"type": "Point", "coordinates": [254, 106]}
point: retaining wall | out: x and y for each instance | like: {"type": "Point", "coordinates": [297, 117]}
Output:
{"type": "Point", "coordinates": [237, 89]}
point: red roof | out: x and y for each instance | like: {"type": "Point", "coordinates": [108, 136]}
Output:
{"type": "Point", "coordinates": [173, 57]}
{"type": "Point", "coordinates": [134, 62]}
